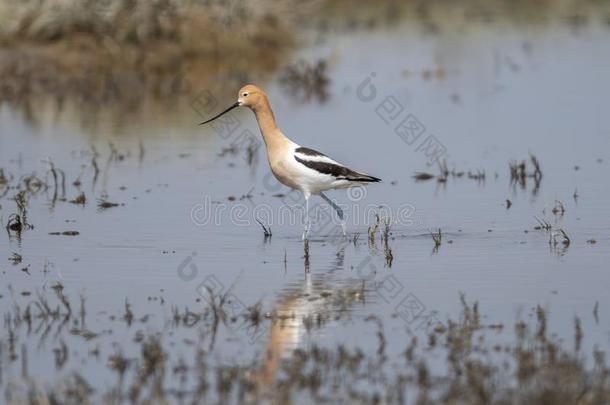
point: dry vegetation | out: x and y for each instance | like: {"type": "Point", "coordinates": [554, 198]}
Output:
{"type": "Point", "coordinates": [478, 368]}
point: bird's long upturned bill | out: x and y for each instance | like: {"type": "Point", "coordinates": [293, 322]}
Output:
{"type": "Point", "coordinates": [222, 113]}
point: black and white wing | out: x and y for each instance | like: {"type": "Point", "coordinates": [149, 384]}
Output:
{"type": "Point", "coordinates": [324, 165]}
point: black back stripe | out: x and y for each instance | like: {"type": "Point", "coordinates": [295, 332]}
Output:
{"type": "Point", "coordinates": [326, 168]}
{"type": "Point", "coordinates": [337, 171]}
{"type": "Point", "coordinates": [309, 152]}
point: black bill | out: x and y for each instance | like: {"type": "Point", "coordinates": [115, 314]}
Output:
{"type": "Point", "coordinates": [222, 113]}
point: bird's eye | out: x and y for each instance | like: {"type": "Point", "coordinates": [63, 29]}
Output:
{"type": "Point", "coordinates": [245, 94]}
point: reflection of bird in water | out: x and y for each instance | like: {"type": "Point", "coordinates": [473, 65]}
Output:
{"type": "Point", "coordinates": [297, 310]}
{"type": "Point", "coordinates": [297, 167]}
{"type": "Point", "coordinates": [286, 333]}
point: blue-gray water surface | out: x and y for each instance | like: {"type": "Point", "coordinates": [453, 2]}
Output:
{"type": "Point", "coordinates": [480, 99]}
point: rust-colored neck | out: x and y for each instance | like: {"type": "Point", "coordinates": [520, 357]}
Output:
{"type": "Point", "coordinates": [266, 122]}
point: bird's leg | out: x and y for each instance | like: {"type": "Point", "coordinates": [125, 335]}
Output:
{"type": "Point", "coordinates": [307, 220]}
{"type": "Point", "coordinates": [337, 208]}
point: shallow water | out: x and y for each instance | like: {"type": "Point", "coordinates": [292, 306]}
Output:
{"type": "Point", "coordinates": [490, 95]}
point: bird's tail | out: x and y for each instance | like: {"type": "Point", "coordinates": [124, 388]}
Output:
{"type": "Point", "coordinates": [363, 178]}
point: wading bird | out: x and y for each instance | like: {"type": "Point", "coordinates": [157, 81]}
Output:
{"type": "Point", "coordinates": [295, 166]}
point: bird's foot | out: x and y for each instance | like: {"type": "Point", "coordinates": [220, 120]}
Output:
{"type": "Point", "coordinates": [306, 232]}
{"type": "Point", "coordinates": [306, 229]}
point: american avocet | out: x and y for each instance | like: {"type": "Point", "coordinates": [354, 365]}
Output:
{"type": "Point", "coordinates": [295, 166]}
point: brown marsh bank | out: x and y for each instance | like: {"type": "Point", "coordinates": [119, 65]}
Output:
{"type": "Point", "coordinates": [147, 58]}
{"type": "Point", "coordinates": [104, 53]}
